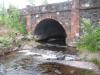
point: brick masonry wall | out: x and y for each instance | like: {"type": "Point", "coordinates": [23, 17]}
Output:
{"type": "Point", "coordinates": [62, 18]}
{"type": "Point", "coordinates": [60, 12]}
{"type": "Point", "coordinates": [66, 13]}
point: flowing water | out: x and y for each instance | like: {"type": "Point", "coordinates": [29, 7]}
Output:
{"type": "Point", "coordinates": [45, 59]}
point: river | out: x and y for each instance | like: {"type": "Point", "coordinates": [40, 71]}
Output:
{"type": "Point", "coordinates": [45, 59]}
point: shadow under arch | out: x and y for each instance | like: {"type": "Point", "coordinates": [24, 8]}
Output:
{"type": "Point", "coordinates": [50, 31]}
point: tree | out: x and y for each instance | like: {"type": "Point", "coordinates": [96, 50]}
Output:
{"type": "Point", "coordinates": [32, 2]}
{"type": "Point", "coordinates": [45, 1]}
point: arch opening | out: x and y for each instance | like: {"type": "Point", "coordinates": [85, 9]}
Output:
{"type": "Point", "coordinates": [49, 30]}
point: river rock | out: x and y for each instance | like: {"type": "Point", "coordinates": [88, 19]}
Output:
{"type": "Point", "coordinates": [25, 47]}
{"type": "Point", "coordinates": [90, 55]}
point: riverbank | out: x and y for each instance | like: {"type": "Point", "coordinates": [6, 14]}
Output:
{"type": "Point", "coordinates": [11, 41]}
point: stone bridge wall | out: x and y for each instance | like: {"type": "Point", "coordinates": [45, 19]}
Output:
{"type": "Point", "coordinates": [90, 9]}
{"type": "Point", "coordinates": [66, 13]}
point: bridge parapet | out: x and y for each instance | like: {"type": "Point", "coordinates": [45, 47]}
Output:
{"type": "Point", "coordinates": [62, 12]}
{"type": "Point", "coordinates": [56, 7]}
{"type": "Point", "coordinates": [66, 13]}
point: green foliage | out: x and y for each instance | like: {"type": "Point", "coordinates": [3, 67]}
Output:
{"type": "Point", "coordinates": [11, 19]}
{"type": "Point", "coordinates": [5, 42]}
{"type": "Point", "coordinates": [45, 1]}
{"type": "Point", "coordinates": [7, 39]}
{"type": "Point", "coordinates": [90, 40]}
{"type": "Point", "coordinates": [32, 2]}
{"type": "Point", "coordinates": [2, 17]}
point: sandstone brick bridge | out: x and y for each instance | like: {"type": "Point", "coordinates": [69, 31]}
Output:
{"type": "Point", "coordinates": [67, 14]}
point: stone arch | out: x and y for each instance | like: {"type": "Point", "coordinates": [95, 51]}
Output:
{"type": "Point", "coordinates": [49, 28]}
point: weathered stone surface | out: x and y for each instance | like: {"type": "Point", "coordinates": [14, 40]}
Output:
{"type": "Point", "coordinates": [46, 8]}
{"type": "Point", "coordinates": [60, 12]}
{"type": "Point", "coordinates": [90, 55]}
{"type": "Point", "coordinates": [67, 13]}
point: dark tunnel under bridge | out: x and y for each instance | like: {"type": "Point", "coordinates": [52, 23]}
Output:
{"type": "Point", "coordinates": [49, 30]}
